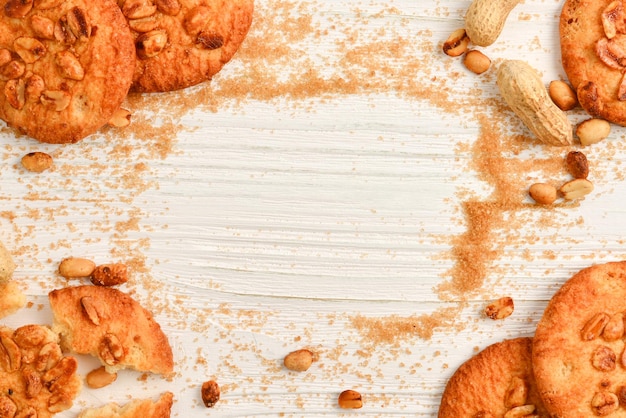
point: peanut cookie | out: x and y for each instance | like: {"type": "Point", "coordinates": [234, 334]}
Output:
{"type": "Point", "coordinates": [496, 381]}
{"type": "Point", "coordinates": [36, 379]}
{"type": "Point", "coordinates": [138, 408]}
{"type": "Point", "coordinates": [65, 66]}
{"type": "Point", "coordinates": [578, 349]}
{"type": "Point", "coordinates": [111, 326]}
{"type": "Point", "coordinates": [593, 54]}
{"type": "Point", "coordinates": [181, 43]}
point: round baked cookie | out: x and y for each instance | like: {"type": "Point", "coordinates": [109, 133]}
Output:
{"type": "Point", "coordinates": [36, 378]}
{"type": "Point", "coordinates": [578, 349]}
{"type": "Point", "coordinates": [181, 43]}
{"type": "Point", "coordinates": [65, 66]}
{"type": "Point", "coordinates": [496, 381]}
{"type": "Point", "coordinates": [112, 326]}
{"type": "Point", "coordinates": [593, 54]}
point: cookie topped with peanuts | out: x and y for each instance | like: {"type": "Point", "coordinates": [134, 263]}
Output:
{"type": "Point", "coordinates": [181, 43]}
{"type": "Point", "coordinates": [36, 378]}
{"type": "Point", "coordinates": [112, 326]}
{"type": "Point", "coordinates": [496, 382]}
{"type": "Point", "coordinates": [65, 66]}
{"type": "Point", "coordinates": [592, 37]}
{"type": "Point", "coordinates": [579, 355]}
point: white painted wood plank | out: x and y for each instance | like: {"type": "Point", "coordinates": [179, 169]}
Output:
{"type": "Point", "coordinates": [277, 224]}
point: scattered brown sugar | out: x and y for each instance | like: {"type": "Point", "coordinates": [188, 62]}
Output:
{"type": "Point", "coordinates": [393, 329]}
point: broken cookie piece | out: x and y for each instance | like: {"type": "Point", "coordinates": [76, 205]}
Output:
{"type": "Point", "coordinates": [138, 408]}
{"type": "Point", "coordinates": [112, 326]}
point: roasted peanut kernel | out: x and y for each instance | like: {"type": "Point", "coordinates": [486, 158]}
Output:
{"type": "Point", "coordinates": [144, 25]}
{"type": "Point", "coordinates": [604, 403]}
{"type": "Point", "coordinates": [15, 93]}
{"type": "Point", "coordinates": [209, 40]}
{"type": "Point", "coordinates": [210, 393]}
{"type": "Point", "coordinates": [13, 69]}
{"type": "Point", "coordinates": [576, 189]}
{"type": "Point", "coordinates": [10, 354]}
{"type": "Point", "coordinates": [577, 164]}
{"type": "Point", "coordinates": [604, 359]}
{"type": "Point", "coordinates": [299, 360]}
{"type": "Point", "coordinates": [520, 411]}
{"type": "Point", "coordinates": [48, 357]}
{"type": "Point", "coordinates": [605, 50]}
{"type": "Point", "coordinates": [614, 329]}
{"type": "Point", "coordinates": [62, 32]}
{"type": "Point", "coordinates": [476, 61]}
{"type": "Point", "coordinates": [90, 309]}
{"type": "Point", "coordinates": [59, 402]}
{"type": "Point", "coordinates": [151, 44]}
{"type": "Point", "coordinates": [17, 8]}
{"type": "Point", "coordinates": [34, 87]}
{"type": "Point", "coordinates": [110, 274]}
{"type": "Point", "coordinates": [120, 119]}
{"type": "Point", "coordinates": [29, 338]}
{"type": "Point", "coordinates": [350, 399]}
{"type": "Point", "coordinates": [99, 378]}
{"type": "Point", "coordinates": [77, 23]}
{"type": "Point", "coordinates": [42, 27]}
{"type": "Point", "coordinates": [29, 49]}
{"type": "Point", "coordinates": [37, 161]}
{"type": "Point", "coordinates": [111, 351]}
{"type": "Point", "coordinates": [168, 7]}
{"type": "Point", "coordinates": [516, 393]}
{"type": "Point", "coordinates": [32, 381]}
{"type": "Point", "coordinates": [456, 44]}
{"type": "Point", "coordinates": [69, 66]}
{"type": "Point", "coordinates": [500, 309]}
{"type": "Point", "coordinates": [610, 15]}
{"type": "Point", "coordinates": [595, 326]}
{"type": "Point", "coordinates": [562, 95]}
{"type": "Point", "coordinates": [543, 193]}
{"type": "Point", "coordinates": [56, 100]}
{"type": "Point", "coordinates": [137, 9]}
{"type": "Point", "coordinates": [59, 375]}
{"type": "Point", "coordinates": [75, 267]}
{"type": "Point", "coordinates": [592, 131]}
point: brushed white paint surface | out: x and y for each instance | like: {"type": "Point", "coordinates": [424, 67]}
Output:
{"type": "Point", "coordinates": [271, 224]}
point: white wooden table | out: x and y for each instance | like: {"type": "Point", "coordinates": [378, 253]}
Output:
{"type": "Point", "coordinates": [276, 221]}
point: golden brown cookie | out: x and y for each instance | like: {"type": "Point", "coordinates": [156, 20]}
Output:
{"type": "Point", "coordinates": [181, 43]}
{"type": "Point", "coordinates": [111, 326]}
{"type": "Point", "coordinates": [138, 408]}
{"type": "Point", "coordinates": [36, 379]}
{"type": "Point", "coordinates": [593, 54]}
{"type": "Point", "coordinates": [578, 352]}
{"type": "Point", "coordinates": [65, 66]}
{"type": "Point", "coordinates": [496, 381]}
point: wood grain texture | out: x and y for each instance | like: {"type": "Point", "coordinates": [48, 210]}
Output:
{"type": "Point", "coordinates": [273, 224]}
